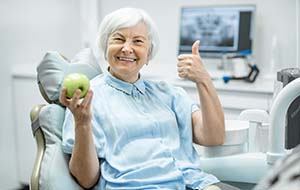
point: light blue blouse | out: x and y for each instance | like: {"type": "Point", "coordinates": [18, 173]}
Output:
{"type": "Point", "coordinates": [143, 135]}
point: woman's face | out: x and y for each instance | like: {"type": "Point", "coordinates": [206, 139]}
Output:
{"type": "Point", "coordinates": [127, 52]}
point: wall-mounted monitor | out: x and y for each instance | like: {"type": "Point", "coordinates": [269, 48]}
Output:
{"type": "Point", "coordinates": [221, 29]}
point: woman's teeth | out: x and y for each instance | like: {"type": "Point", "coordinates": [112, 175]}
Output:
{"type": "Point", "coordinates": [126, 59]}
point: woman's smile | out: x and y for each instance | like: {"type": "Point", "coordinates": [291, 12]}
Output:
{"type": "Point", "coordinates": [126, 60]}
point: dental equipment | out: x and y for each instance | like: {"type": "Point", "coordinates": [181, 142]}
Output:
{"type": "Point", "coordinates": [254, 71]}
{"type": "Point", "coordinates": [251, 166]}
{"type": "Point", "coordinates": [292, 131]}
{"type": "Point", "coordinates": [277, 119]}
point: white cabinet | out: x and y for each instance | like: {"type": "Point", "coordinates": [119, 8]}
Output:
{"type": "Point", "coordinates": [234, 102]}
{"type": "Point", "coordinates": [238, 99]}
{"type": "Point", "coordinates": [236, 96]}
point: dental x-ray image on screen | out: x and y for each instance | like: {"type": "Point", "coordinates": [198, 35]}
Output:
{"type": "Point", "coordinates": [221, 29]}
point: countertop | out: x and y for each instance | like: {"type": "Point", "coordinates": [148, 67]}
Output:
{"type": "Point", "coordinates": [261, 85]}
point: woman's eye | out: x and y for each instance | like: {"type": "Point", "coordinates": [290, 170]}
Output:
{"type": "Point", "coordinates": [118, 39]}
{"type": "Point", "coordinates": [138, 41]}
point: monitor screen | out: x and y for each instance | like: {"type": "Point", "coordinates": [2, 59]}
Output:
{"type": "Point", "coordinates": [220, 29]}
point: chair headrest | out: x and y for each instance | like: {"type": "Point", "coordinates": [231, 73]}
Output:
{"type": "Point", "coordinates": [54, 67]}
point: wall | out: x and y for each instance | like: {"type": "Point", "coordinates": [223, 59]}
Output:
{"type": "Point", "coordinates": [28, 29]}
{"type": "Point", "coordinates": [274, 18]}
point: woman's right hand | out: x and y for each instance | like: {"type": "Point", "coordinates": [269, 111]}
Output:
{"type": "Point", "coordinates": [80, 108]}
{"type": "Point", "coordinates": [84, 163]}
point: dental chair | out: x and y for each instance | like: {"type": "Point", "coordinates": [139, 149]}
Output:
{"type": "Point", "coordinates": [237, 161]}
{"type": "Point", "coordinates": [50, 170]}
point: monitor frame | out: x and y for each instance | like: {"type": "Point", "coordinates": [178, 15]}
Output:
{"type": "Point", "coordinates": [214, 42]}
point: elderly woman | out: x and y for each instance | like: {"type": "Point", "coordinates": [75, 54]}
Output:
{"type": "Point", "coordinates": [131, 133]}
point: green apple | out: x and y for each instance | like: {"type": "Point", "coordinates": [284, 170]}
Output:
{"type": "Point", "coordinates": [75, 81]}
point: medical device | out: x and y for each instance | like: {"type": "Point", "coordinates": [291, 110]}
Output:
{"type": "Point", "coordinates": [242, 67]}
{"type": "Point", "coordinates": [292, 131]}
{"type": "Point", "coordinates": [248, 78]}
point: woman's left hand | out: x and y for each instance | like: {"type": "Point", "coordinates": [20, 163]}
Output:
{"type": "Point", "coordinates": [208, 125]}
{"type": "Point", "coordinates": [190, 66]}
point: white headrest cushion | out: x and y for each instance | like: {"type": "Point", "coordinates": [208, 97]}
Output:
{"type": "Point", "coordinates": [54, 67]}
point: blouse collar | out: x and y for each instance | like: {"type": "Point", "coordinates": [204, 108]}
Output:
{"type": "Point", "coordinates": [126, 87]}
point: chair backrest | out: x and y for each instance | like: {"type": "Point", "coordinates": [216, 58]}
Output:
{"type": "Point", "coordinates": [50, 169]}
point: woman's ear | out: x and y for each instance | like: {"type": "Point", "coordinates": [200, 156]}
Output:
{"type": "Point", "coordinates": [105, 54]}
{"type": "Point", "coordinates": [148, 58]}
{"type": "Point", "coordinates": [149, 53]}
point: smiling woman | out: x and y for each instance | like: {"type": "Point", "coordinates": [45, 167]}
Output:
{"type": "Point", "coordinates": [118, 20]}
{"type": "Point", "coordinates": [127, 52]}
{"type": "Point", "coordinates": [132, 133]}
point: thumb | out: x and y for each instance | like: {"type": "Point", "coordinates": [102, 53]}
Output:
{"type": "Point", "coordinates": [195, 47]}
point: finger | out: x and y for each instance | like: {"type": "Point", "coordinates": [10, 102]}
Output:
{"type": "Point", "coordinates": [90, 93]}
{"type": "Point", "coordinates": [75, 98]}
{"type": "Point", "coordinates": [180, 69]}
{"type": "Point", "coordinates": [181, 74]}
{"type": "Point", "coordinates": [195, 47]}
{"type": "Point", "coordinates": [63, 97]}
{"type": "Point", "coordinates": [183, 57]}
{"type": "Point", "coordinates": [180, 64]}
{"type": "Point", "coordinates": [87, 99]}
{"type": "Point", "coordinates": [184, 63]}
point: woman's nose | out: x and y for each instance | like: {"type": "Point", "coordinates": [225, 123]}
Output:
{"type": "Point", "coordinates": [127, 48]}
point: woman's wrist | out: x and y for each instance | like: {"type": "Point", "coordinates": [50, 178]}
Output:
{"type": "Point", "coordinates": [83, 126]}
{"type": "Point", "coordinates": [204, 81]}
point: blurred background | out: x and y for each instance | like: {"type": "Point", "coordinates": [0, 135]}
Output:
{"type": "Point", "coordinates": [30, 28]}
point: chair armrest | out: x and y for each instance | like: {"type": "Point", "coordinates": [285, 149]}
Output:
{"type": "Point", "coordinates": [40, 140]}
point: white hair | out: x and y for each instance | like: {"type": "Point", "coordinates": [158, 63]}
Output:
{"type": "Point", "coordinates": [124, 18]}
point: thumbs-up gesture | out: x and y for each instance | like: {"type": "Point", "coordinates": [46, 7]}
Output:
{"type": "Point", "coordinates": [190, 66]}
